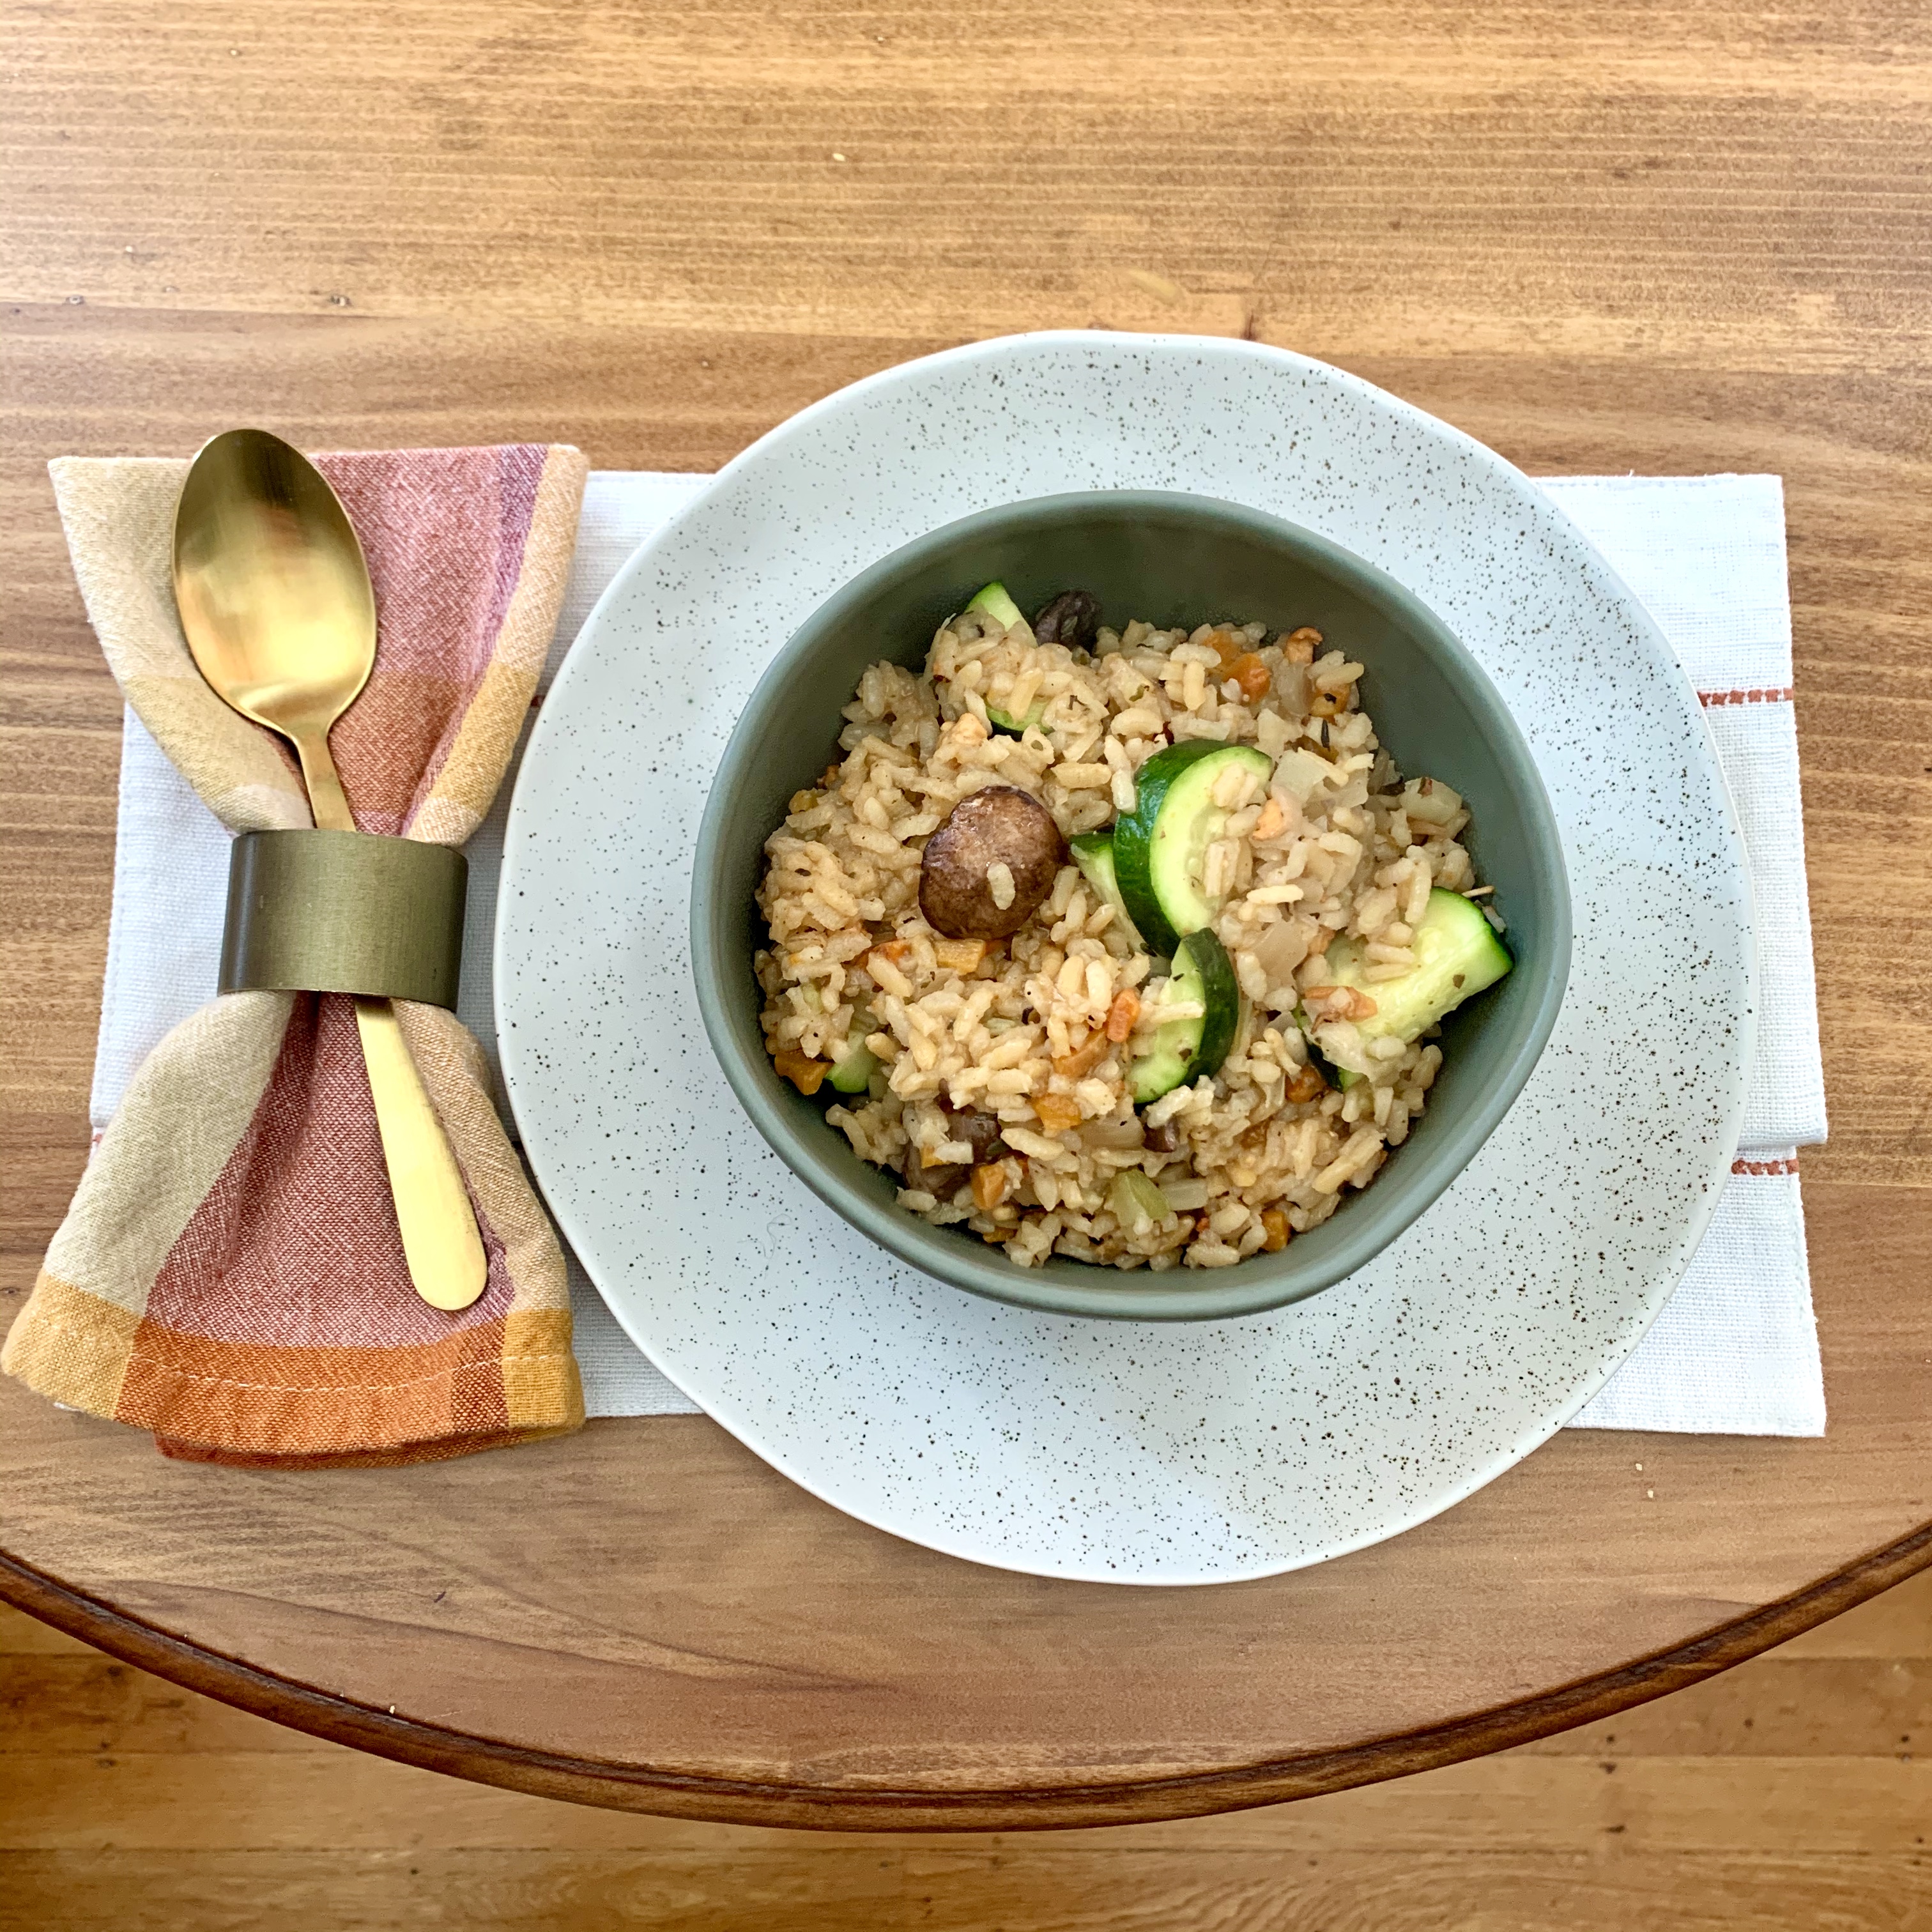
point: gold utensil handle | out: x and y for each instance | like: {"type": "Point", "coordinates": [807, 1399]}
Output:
{"type": "Point", "coordinates": [440, 1239]}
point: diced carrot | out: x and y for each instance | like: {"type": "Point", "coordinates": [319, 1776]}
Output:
{"type": "Point", "coordinates": [1082, 1061]}
{"type": "Point", "coordinates": [1275, 1224]}
{"type": "Point", "coordinates": [1122, 1014]}
{"type": "Point", "coordinates": [1274, 821]}
{"type": "Point", "coordinates": [1056, 1114]}
{"type": "Point", "coordinates": [989, 1186]}
{"type": "Point", "coordinates": [1306, 1084]}
{"type": "Point", "coordinates": [963, 955]}
{"type": "Point", "coordinates": [1344, 1003]}
{"type": "Point", "coordinates": [804, 1073]}
{"type": "Point", "coordinates": [894, 950]}
{"type": "Point", "coordinates": [1251, 674]}
{"type": "Point", "coordinates": [1298, 647]}
{"type": "Point", "coordinates": [1228, 646]}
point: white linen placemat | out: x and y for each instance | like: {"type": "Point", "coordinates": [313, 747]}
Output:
{"type": "Point", "coordinates": [1736, 1350]}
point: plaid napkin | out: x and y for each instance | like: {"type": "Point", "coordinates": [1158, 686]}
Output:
{"type": "Point", "coordinates": [230, 1275]}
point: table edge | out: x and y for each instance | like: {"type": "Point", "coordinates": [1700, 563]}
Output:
{"type": "Point", "coordinates": [622, 1787]}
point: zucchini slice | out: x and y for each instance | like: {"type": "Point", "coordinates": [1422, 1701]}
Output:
{"type": "Point", "coordinates": [1457, 956]}
{"type": "Point", "coordinates": [1185, 1049]}
{"type": "Point", "coordinates": [1004, 722]}
{"type": "Point", "coordinates": [1160, 846]}
{"type": "Point", "coordinates": [854, 1073]}
{"type": "Point", "coordinates": [996, 603]}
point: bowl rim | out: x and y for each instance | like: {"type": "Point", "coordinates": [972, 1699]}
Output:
{"type": "Point", "coordinates": [1258, 1284]}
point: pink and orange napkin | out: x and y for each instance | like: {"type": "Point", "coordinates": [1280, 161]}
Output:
{"type": "Point", "coordinates": [230, 1276]}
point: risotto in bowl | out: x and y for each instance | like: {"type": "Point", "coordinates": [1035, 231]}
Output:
{"type": "Point", "coordinates": [1159, 910]}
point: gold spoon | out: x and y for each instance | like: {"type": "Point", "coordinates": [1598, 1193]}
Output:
{"type": "Point", "coordinates": [275, 598]}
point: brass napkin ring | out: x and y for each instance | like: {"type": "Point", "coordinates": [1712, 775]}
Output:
{"type": "Point", "coordinates": [343, 912]}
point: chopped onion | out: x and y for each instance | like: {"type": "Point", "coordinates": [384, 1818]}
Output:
{"type": "Point", "coordinates": [1302, 772]}
{"type": "Point", "coordinates": [1137, 1203]}
{"type": "Point", "coordinates": [1430, 801]}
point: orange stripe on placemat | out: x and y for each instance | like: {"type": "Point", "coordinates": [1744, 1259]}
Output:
{"type": "Point", "coordinates": [1785, 1165]}
{"type": "Point", "coordinates": [1780, 693]}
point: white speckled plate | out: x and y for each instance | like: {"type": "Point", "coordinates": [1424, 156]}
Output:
{"type": "Point", "coordinates": [1119, 1452]}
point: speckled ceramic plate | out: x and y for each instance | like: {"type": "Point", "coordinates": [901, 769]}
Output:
{"type": "Point", "coordinates": [1183, 1454]}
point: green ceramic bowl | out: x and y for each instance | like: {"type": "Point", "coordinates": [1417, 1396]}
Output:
{"type": "Point", "coordinates": [1165, 558]}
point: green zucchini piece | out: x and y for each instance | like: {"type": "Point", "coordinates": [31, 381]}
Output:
{"type": "Point", "coordinates": [852, 1074]}
{"type": "Point", "coordinates": [994, 601]}
{"type": "Point", "coordinates": [1094, 853]}
{"type": "Point", "coordinates": [1184, 1049]}
{"type": "Point", "coordinates": [1160, 846]}
{"type": "Point", "coordinates": [1457, 956]}
{"type": "Point", "coordinates": [1015, 727]}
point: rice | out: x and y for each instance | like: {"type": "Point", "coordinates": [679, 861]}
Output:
{"type": "Point", "coordinates": [999, 1093]}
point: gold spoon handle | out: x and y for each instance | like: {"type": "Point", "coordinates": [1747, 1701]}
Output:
{"type": "Point", "coordinates": [328, 804]}
{"type": "Point", "coordinates": [440, 1241]}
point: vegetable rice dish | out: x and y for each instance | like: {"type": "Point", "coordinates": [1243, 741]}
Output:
{"type": "Point", "coordinates": [1129, 946]}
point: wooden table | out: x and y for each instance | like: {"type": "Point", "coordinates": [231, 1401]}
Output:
{"type": "Point", "coordinates": [1601, 237]}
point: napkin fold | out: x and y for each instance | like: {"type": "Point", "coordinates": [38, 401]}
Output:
{"type": "Point", "coordinates": [230, 1275]}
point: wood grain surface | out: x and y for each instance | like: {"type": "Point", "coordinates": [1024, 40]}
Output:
{"type": "Point", "coordinates": [1602, 237]}
{"type": "Point", "coordinates": [1791, 1792]}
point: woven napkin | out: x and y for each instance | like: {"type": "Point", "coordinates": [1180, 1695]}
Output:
{"type": "Point", "coordinates": [230, 1274]}
{"type": "Point", "coordinates": [1736, 1350]}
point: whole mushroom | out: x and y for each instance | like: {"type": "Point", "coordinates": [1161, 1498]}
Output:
{"type": "Point", "coordinates": [987, 868]}
{"type": "Point", "coordinates": [1072, 618]}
